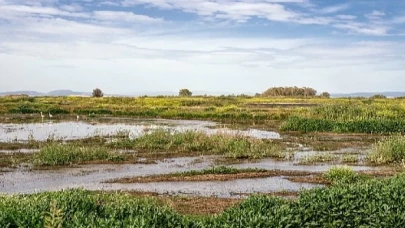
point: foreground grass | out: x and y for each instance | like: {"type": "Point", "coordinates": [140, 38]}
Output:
{"type": "Point", "coordinates": [388, 150]}
{"type": "Point", "coordinates": [371, 203]}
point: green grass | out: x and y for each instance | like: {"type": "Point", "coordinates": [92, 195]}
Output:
{"type": "Point", "coordinates": [389, 150]}
{"type": "Point", "coordinates": [68, 154]}
{"type": "Point", "coordinates": [381, 126]}
{"type": "Point", "coordinates": [369, 203]}
{"type": "Point", "coordinates": [342, 174]}
{"type": "Point", "coordinates": [234, 146]}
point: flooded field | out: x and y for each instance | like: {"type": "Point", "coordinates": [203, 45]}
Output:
{"type": "Point", "coordinates": [80, 129]}
{"type": "Point", "coordinates": [26, 179]}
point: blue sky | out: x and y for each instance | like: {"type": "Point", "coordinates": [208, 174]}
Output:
{"type": "Point", "coordinates": [135, 46]}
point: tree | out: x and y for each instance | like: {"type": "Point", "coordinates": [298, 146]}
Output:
{"type": "Point", "coordinates": [289, 92]}
{"type": "Point", "coordinates": [97, 92]}
{"type": "Point", "coordinates": [185, 93]}
{"type": "Point", "coordinates": [378, 96]}
{"type": "Point", "coordinates": [325, 95]}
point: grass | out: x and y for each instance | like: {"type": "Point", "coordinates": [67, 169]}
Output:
{"type": "Point", "coordinates": [230, 145]}
{"type": "Point", "coordinates": [342, 174]}
{"type": "Point", "coordinates": [368, 203]}
{"type": "Point", "coordinates": [321, 157]}
{"type": "Point", "coordinates": [389, 150]}
{"type": "Point", "coordinates": [68, 154]}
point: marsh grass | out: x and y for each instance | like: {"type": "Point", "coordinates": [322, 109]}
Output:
{"type": "Point", "coordinates": [342, 174]}
{"type": "Point", "coordinates": [389, 150]}
{"type": "Point", "coordinates": [230, 145]}
{"type": "Point", "coordinates": [68, 154]}
{"type": "Point", "coordinates": [318, 158]}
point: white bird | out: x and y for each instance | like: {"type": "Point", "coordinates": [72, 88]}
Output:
{"type": "Point", "coordinates": [42, 115]}
{"type": "Point", "coordinates": [77, 117]}
{"type": "Point", "coordinates": [50, 115]}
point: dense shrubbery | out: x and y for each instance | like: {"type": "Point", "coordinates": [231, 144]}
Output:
{"type": "Point", "coordinates": [371, 203]}
{"type": "Point", "coordinates": [289, 92]}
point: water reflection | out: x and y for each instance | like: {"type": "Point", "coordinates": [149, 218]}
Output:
{"type": "Point", "coordinates": [81, 129]}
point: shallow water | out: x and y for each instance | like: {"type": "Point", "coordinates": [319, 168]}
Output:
{"type": "Point", "coordinates": [92, 177]}
{"type": "Point", "coordinates": [80, 129]}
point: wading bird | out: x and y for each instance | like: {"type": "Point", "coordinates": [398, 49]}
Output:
{"type": "Point", "coordinates": [50, 115]}
{"type": "Point", "coordinates": [42, 115]}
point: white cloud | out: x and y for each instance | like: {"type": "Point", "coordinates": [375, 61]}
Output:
{"type": "Point", "coordinates": [334, 9]}
{"type": "Point", "coordinates": [120, 16]}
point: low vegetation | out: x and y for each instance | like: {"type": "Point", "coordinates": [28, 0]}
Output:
{"type": "Point", "coordinates": [369, 203]}
{"type": "Point", "coordinates": [68, 154]}
{"type": "Point", "coordinates": [342, 174]}
{"type": "Point", "coordinates": [389, 150]}
{"type": "Point", "coordinates": [230, 145]}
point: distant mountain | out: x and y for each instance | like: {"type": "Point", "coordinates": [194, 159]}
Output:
{"type": "Point", "coordinates": [67, 93]}
{"type": "Point", "coordinates": [52, 93]}
{"type": "Point", "coordinates": [29, 93]}
{"type": "Point", "coordinates": [369, 94]}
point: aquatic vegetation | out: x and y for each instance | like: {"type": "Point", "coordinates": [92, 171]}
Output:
{"type": "Point", "coordinates": [68, 154]}
{"type": "Point", "coordinates": [342, 174]}
{"type": "Point", "coordinates": [388, 150]}
{"type": "Point", "coordinates": [230, 145]}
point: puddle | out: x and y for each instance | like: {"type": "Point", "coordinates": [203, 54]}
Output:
{"type": "Point", "coordinates": [271, 164]}
{"type": "Point", "coordinates": [227, 189]}
{"type": "Point", "coordinates": [22, 151]}
{"type": "Point", "coordinates": [77, 130]}
{"type": "Point", "coordinates": [92, 177]}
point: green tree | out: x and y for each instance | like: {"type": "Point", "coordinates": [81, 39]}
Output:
{"type": "Point", "coordinates": [325, 95]}
{"type": "Point", "coordinates": [185, 93]}
{"type": "Point", "coordinates": [97, 92]}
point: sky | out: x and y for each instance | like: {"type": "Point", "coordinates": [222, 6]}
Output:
{"type": "Point", "coordinates": [233, 46]}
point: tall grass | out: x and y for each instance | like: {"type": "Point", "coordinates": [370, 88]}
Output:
{"type": "Point", "coordinates": [388, 150]}
{"type": "Point", "coordinates": [230, 145]}
{"type": "Point", "coordinates": [342, 174]}
{"type": "Point", "coordinates": [68, 154]}
{"type": "Point", "coordinates": [382, 126]}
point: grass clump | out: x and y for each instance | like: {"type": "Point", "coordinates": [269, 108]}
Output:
{"type": "Point", "coordinates": [230, 145]}
{"type": "Point", "coordinates": [389, 150]}
{"type": "Point", "coordinates": [342, 174]}
{"type": "Point", "coordinates": [321, 157]}
{"type": "Point", "coordinates": [68, 154]}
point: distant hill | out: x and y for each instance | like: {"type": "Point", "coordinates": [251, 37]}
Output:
{"type": "Point", "coordinates": [369, 94]}
{"type": "Point", "coordinates": [52, 93]}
